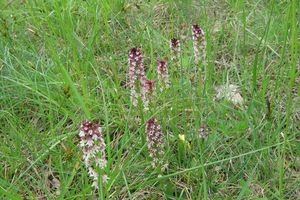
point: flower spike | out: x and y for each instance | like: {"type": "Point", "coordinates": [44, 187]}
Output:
{"type": "Point", "coordinates": [93, 148]}
{"type": "Point", "coordinates": [199, 44]}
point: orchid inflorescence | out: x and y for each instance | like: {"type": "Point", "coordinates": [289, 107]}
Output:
{"type": "Point", "coordinates": [203, 132]}
{"type": "Point", "coordinates": [175, 51]}
{"type": "Point", "coordinates": [163, 75]}
{"type": "Point", "coordinates": [136, 72]}
{"type": "Point", "coordinates": [155, 141]}
{"type": "Point", "coordinates": [148, 93]}
{"type": "Point", "coordinates": [199, 44]}
{"type": "Point", "coordinates": [93, 148]}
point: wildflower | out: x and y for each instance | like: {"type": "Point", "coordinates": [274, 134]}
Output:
{"type": "Point", "coordinates": [136, 71]}
{"type": "Point", "coordinates": [105, 178]}
{"type": "Point", "coordinates": [231, 93]}
{"type": "Point", "coordinates": [175, 51]}
{"type": "Point", "coordinates": [184, 141]}
{"type": "Point", "coordinates": [163, 75]}
{"type": "Point", "coordinates": [148, 93]}
{"type": "Point", "coordinates": [155, 141]}
{"type": "Point", "coordinates": [182, 137]}
{"type": "Point", "coordinates": [93, 148]}
{"type": "Point", "coordinates": [199, 44]}
{"type": "Point", "coordinates": [204, 132]}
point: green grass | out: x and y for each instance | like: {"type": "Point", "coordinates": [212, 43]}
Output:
{"type": "Point", "coordinates": [65, 61]}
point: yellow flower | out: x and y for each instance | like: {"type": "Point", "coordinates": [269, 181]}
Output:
{"type": "Point", "coordinates": [181, 137]}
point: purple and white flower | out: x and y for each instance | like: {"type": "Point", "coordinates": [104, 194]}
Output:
{"type": "Point", "coordinates": [136, 72]}
{"type": "Point", "coordinates": [199, 44]}
{"type": "Point", "coordinates": [175, 52]}
{"type": "Point", "coordinates": [148, 93]}
{"type": "Point", "coordinates": [93, 148]}
{"type": "Point", "coordinates": [163, 75]}
{"type": "Point", "coordinates": [155, 142]}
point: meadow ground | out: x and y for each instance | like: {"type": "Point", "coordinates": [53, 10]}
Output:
{"type": "Point", "coordinates": [62, 62]}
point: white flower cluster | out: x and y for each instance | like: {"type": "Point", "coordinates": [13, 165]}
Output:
{"type": "Point", "coordinates": [93, 148]}
{"type": "Point", "coordinates": [231, 93]}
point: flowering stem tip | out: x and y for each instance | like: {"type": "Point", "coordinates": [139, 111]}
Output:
{"type": "Point", "coordinates": [155, 141]}
{"type": "Point", "coordinates": [175, 51]}
{"type": "Point", "coordinates": [136, 72]}
{"type": "Point", "coordinates": [163, 75]}
{"type": "Point", "coordinates": [199, 44]}
{"type": "Point", "coordinates": [93, 148]}
{"type": "Point", "coordinates": [148, 93]}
